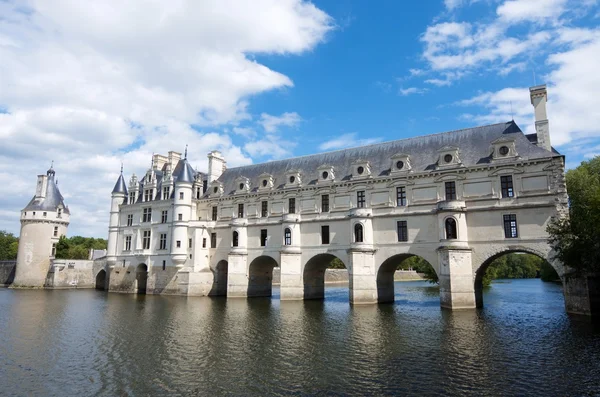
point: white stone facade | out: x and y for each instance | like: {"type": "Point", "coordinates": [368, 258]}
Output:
{"type": "Point", "coordinates": [457, 199]}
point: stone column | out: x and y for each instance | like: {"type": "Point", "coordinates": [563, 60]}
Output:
{"type": "Point", "coordinates": [237, 274]}
{"type": "Point", "coordinates": [582, 294]}
{"type": "Point", "coordinates": [292, 280]}
{"type": "Point", "coordinates": [362, 276]}
{"type": "Point", "coordinates": [456, 279]}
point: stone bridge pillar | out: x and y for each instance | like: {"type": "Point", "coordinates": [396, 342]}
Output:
{"type": "Point", "coordinates": [237, 274]}
{"type": "Point", "coordinates": [292, 280]}
{"type": "Point", "coordinates": [582, 294]}
{"type": "Point", "coordinates": [362, 276]}
{"type": "Point", "coordinates": [456, 279]}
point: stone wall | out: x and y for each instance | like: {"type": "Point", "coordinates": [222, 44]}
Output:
{"type": "Point", "coordinates": [7, 272]}
{"type": "Point", "coordinates": [335, 276]}
{"type": "Point", "coordinates": [70, 273]}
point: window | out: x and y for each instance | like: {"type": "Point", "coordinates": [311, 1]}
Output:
{"type": "Point", "coordinates": [178, 243]}
{"type": "Point", "coordinates": [402, 230]}
{"type": "Point", "coordinates": [166, 193]}
{"type": "Point", "coordinates": [214, 213]}
{"type": "Point", "coordinates": [264, 209]}
{"type": "Point", "coordinates": [164, 216]}
{"type": "Point", "coordinates": [131, 197]}
{"type": "Point", "coordinates": [324, 234]}
{"type": "Point", "coordinates": [451, 232]}
{"type": "Point", "coordinates": [53, 253]}
{"type": "Point", "coordinates": [325, 203]}
{"type": "Point", "coordinates": [146, 240]}
{"type": "Point", "coordinates": [263, 237]}
{"type": "Point", "coordinates": [59, 213]}
{"type": "Point", "coordinates": [45, 214]}
{"type": "Point", "coordinates": [147, 194]}
{"type": "Point", "coordinates": [510, 226]}
{"type": "Point", "coordinates": [287, 236]}
{"type": "Point", "coordinates": [213, 240]}
{"type": "Point", "coordinates": [179, 217]}
{"type": "Point", "coordinates": [292, 206]}
{"type": "Point", "coordinates": [127, 243]}
{"type": "Point", "coordinates": [130, 220]}
{"type": "Point", "coordinates": [235, 239]}
{"type": "Point", "coordinates": [450, 191]}
{"type": "Point", "coordinates": [401, 196]}
{"type": "Point", "coordinates": [240, 210]}
{"type": "Point", "coordinates": [147, 215]}
{"type": "Point", "coordinates": [360, 199]}
{"type": "Point", "coordinates": [358, 233]}
{"type": "Point", "coordinates": [180, 195]}
{"type": "Point", "coordinates": [190, 242]}
{"type": "Point", "coordinates": [204, 242]}
{"type": "Point", "coordinates": [162, 242]}
{"type": "Point", "coordinates": [506, 184]}
{"type": "Point", "coordinates": [55, 231]}
{"type": "Point", "coordinates": [198, 193]}
{"type": "Point", "coordinates": [164, 265]}
{"type": "Point", "coordinates": [204, 186]}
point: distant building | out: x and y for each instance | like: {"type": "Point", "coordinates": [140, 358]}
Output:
{"type": "Point", "coordinates": [458, 199]}
{"type": "Point", "coordinates": [43, 221]}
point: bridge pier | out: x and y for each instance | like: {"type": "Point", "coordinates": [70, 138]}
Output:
{"type": "Point", "coordinates": [582, 294]}
{"type": "Point", "coordinates": [456, 279]}
{"type": "Point", "coordinates": [362, 275]}
{"type": "Point", "coordinates": [292, 281]}
{"type": "Point", "coordinates": [237, 275]}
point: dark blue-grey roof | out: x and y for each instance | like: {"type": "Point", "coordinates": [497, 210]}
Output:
{"type": "Point", "coordinates": [473, 144]}
{"type": "Point", "coordinates": [184, 172]}
{"type": "Point", "coordinates": [51, 202]}
{"type": "Point", "coordinates": [120, 186]}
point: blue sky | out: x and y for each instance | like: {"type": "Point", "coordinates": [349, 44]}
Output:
{"type": "Point", "coordinates": [89, 86]}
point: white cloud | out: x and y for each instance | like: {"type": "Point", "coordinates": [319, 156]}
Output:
{"type": "Point", "coordinates": [272, 123]}
{"type": "Point", "coordinates": [271, 146]}
{"type": "Point", "coordinates": [347, 140]}
{"type": "Point", "coordinates": [412, 90]}
{"type": "Point", "coordinates": [91, 84]}
{"type": "Point", "coordinates": [513, 11]}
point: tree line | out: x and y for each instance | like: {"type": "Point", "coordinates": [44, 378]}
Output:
{"type": "Point", "coordinates": [76, 247]}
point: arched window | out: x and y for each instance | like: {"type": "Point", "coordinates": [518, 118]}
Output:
{"type": "Point", "coordinates": [287, 236]}
{"type": "Point", "coordinates": [451, 233]}
{"type": "Point", "coordinates": [358, 233]}
{"type": "Point", "coordinates": [235, 239]}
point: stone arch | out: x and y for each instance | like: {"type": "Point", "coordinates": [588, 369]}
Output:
{"type": "Point", "coordinates": [141, 278]}
{"type": "Point", "coordinates": [260, 276]}
{"type": "Point", "coordinates": [101, 280]}
{"type": "Point", "coordinates": [220, 272]}
{"type": "Point", "coordinates": [385, 275]}
{"type": "Point", "coordinates": [314, 275]}
{"type": "Point", "coordinates": [496, 252]}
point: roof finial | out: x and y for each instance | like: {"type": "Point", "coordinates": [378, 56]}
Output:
{"type": "Point", "coordinates": [121, 168]}
{"type": "Point", "coordinates": [512, 115]}
{"type": "Point", "coordinates": [185, 155]}
{"type": "Point", "coordinates": [52, 164]}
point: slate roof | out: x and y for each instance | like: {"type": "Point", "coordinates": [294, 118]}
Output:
{"type": "Point", "coordinates": [120, 186]}
{"type": "Point", "coordinates": [184, 172]}
{"type": "Point", "coordinates": [474, 146]}
{"type": "Point", "coordinates": [52, 200]}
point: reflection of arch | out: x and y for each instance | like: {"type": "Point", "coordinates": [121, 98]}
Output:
{"type": "Point", "coordinates": [451, 232]}
{"type": "Point", "coordinates": [358, 233]}
{"type": "Point", "coordinates": [385, 276]}
{"type": "Point", "coordinates": [220, 279]}
{"type": "Point", "coordinates": [480, 273]}
{"type": "Point", "coordinates": [141, 277]}
{"type": "Point", "coordinates": [235, 238]}
{"type": "Point", "coordinates": [260, 276]}
{"type": "Point", "coordinates": [314, 275]}
{"type": "Point", "coordinates": [101, 280]}
{"type": "Point", "coordinates": [287, 236]}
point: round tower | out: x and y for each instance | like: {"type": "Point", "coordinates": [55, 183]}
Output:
{"type": "Point", "coordinates": [118, 197]}
{"type": "Point", "coordinates": [43, 221]}
{"type": "Point", "coordinates": [182, 210]}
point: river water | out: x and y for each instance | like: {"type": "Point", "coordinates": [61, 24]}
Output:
{"type": "Point", "coordinates": [62, 343]}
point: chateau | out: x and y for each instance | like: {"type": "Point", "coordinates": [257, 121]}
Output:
{"type": "Point", "coordinates": [457, 199]}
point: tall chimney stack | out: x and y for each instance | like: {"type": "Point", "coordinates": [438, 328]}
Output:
{"type": "Point", "coordinates": [216, 165]}
{"type": "Point", "coordinates": [539, 97]}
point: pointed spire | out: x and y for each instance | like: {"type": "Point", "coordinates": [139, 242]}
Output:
{"type": "Point", "coordinates": [185, 155]}
{"type": "Point", "coordinates": [51, 172]}
{"type": "Point", "coordinates": [120, 186]}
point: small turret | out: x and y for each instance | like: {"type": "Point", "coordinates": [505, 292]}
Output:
{"type": "Point", "coordinates": [118, 197]}
{"type": "Point", "coordinates": [184, 176]}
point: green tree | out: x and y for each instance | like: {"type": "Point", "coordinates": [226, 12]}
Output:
{"type": "Point", "coordinates": [336, 263]}
{"type": "Point", "coordinates": [62, 248]}
{"type": "Point", "coordinates": [8, 246]}
{"type": "Point", "coordinates": [576, 238]}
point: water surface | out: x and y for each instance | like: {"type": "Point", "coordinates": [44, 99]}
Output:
{"type": "Point", "coordinates": [58, 343]}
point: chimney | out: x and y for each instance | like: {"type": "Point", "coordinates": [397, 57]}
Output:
{"type": "Point", "coordinates": [539, 97]}
{"type": "Point", "coordinates": [216, 165]}
{"type": "Point", "coordinates": [42, 185]}
{"type": "Point", "coordinates": [174, 158]}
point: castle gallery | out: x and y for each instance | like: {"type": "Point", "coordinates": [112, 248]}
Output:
{"type": "Point", "coordinates": [457, 199]}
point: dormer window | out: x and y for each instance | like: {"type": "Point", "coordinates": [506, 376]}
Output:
{"type": "Point", "coordinates": [216, 189]}
{"type": "Point", "coordinates": [361, 169]}
{"type": "Point", "coordinates": [266, 181]}
{"type": "Point", "coordinates": [293, 178]}
{"type": "Point", "coordinates": [449, 157]}
{"type": "Point", "coordinates": [325, 173]}
{"type": "Point", "coordinates": [400, 163]}
{"type": "Point", "coordinates": [243, 184]}
{"type": "Point", "coordinates": [59, 213]}
{"type": "Point", "coordinates": [503, 148]}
